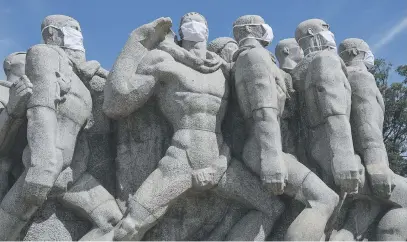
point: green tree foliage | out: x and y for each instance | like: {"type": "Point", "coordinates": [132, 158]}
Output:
{"type": "Point", "coordinates": [395, 120]}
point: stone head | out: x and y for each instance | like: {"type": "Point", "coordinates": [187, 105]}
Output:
{"type": "Point", "coordinates": [354, 49]}
{"type": "Point", "coordinates": [314, 35]}
{"type": "Point", "coordinates": [253, 27]}
{"type": "Point", "coordinates": [225, 47]}
{"type": "Point", "coordinates": [193, 28]}
{"type": "Point", "coordinates": [64, 31]}
{"type": "Point", "coordinates": [14, 66]}
{"type": "Point", "coordinates": [288, 53]}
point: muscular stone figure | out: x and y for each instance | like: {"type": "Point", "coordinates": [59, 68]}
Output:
{"type": "Point", "coordinates": [81, 187]}
{"type": "Point", "coordinates": [261, 94]}
{"type": "Point", "coordinates": [192, 93]}
{"type": "Point", "coordinates": [288, 54]}
{"type": "Point", "coordinates": [367, 116]}
{"type": "Point", "coordinates": [202, 217]}
{"type": "Point", "coordinates": [325, 98]}
{"type": "Point", "coordinates": [12, 120]}
{"type": "Point", "coordinates": [58, 109]}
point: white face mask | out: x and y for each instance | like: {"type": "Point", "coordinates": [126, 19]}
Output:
{"type": "Point", "coordinates": [369, 59]}
{"type": "Point", "coordinates": [327, 35]}
{"type": "Point", "coordinates": [194, 31]}
{"type": "Point", "coordinates": [267, 36]}
{"type": "Point", "coordinates": [72, 38]}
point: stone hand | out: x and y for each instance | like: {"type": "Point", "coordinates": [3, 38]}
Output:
{"type": "Point", "coordinates": [349, 182]}
{"type": "Point", "coordinates": [381, 180]}
{"type": "Point", "coordinates": [275, 179]}
{"type": "Point", "coordinates": [88, 69]}
{"type": "Point", "coordinates": [204, 178]}
{"type": "Point", "coordinates": [152, 33]}
{"type": "Point", "coordinates": [125, 229]}
{"type": "Point", "coordinates": [20, 93]}
{"type": "Point", "coordinates": [106, 216]}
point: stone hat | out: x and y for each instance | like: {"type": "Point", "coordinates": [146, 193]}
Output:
{"type": "Point", "coordinates": [218, 44]}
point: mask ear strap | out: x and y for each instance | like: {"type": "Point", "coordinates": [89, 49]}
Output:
{"type": "Point", "coordinates": [46, 27]}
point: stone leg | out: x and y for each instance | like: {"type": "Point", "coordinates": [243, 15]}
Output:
{"type": "Point", "coordinates": [170, 180]}
{"type": "Point", "coordinates": [359, 217]}
{"type": "Point", "coordinates": [399, 194]}
{"type": "Point", "coordinates": [15, 212]}
{"type": "Point", "coordinates": [5, 167]}
{"type": "Point", "coordinates": [234, 214]}
{"type": "Point", "coordinates": [240, 184]}
{"type": "Point", "coordinates": [254, 226]}
{"type": "Point", "coordinates": [319, 199]}
{"type": "Point", "coordinates": [89, 199]}
{"type": "Point", "coordinates": [393, 226]}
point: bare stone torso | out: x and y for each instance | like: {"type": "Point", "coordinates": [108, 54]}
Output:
{"type": "Point", "coordinates": [195, 104]}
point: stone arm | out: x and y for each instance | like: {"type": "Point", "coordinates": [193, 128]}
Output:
{"type": "Point", "coordinates": [13, 114]}
{"type": "Point", "coordinates": [262, 95]}
{"type": "Point", "coordinates": [42, 64]}
{"type": "Point", "coordinates": [367, 123]}
{"type": "Point", "coordinates": [328, 94]}
{"type": "Point", "coordinates": [380, 100]}
{"type": "Point", "coordinates": [134, 75]}
{"type": "Point", "coordinates": [9, 127]}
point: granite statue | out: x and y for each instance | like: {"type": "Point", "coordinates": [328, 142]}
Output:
{"type": "Point", "coordinates": [261, 94]}
{"type": "Point", "coordinates": [288, 54]}
{"type": "Point", "coordinates": [325, 95]}
{"type": "Point", "coordinates": [195, 108]}
{"type": "Point", "coordinates": [51, 130]}
{"type": "Point", "coordinates": [12, 135]}
{"type": "Point", "coordinates": [366, 118]}
{"type": "Point", "coordinates": [59, 108]}
{"type": "Point", "coordinates": [189, 140]}
{"type": "Point", "coordinates": [205, 216]}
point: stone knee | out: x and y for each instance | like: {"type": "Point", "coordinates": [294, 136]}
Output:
{"type": "Point", "coordinates": [15, 212]}
{"type": "Point", "coordinates": [393, 226]}
{"type": "Point", "coordinates": [322, 197]}
{"type": "Point", "coordinates": [88, 198]}
{"type": "Point", "coordinates": [167, 182]}
{"type": "Point", "coordinates": [319, 199]}
{"type": "Point", "coordinates": [306, 187]}
{"type": "Point", "coordinates": [164, 185]}
{"type": "Point", "coordinates": [242, 185]}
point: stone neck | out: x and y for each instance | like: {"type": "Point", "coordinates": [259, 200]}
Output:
{"type": "Point", "coordinates": [198, 48]}
{"type": "Point", "coordinates": [288, 64]}
{"type": "Point", "coordinates": [357, 63]}
{"type": "Point", "coordinates": [309, 50]}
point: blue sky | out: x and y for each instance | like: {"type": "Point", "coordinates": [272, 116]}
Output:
{"type": "Point", "coordinates": [107, 24]}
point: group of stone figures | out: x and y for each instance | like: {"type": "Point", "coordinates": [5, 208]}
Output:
{"type": "Point", "coordinates": [185, 140]}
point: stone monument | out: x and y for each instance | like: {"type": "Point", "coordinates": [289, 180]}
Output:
{"type": "Point", "coordinates": [188, 140]}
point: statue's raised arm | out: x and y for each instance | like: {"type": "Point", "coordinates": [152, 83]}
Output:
{"type": "Point", "coordinates": [128, 87]}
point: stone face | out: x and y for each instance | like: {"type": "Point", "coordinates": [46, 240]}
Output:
{"type": "Point", "coordinates": [185, 140]}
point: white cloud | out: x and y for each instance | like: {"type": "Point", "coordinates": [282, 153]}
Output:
{"type": "Point", "coordinates": [390, 35]}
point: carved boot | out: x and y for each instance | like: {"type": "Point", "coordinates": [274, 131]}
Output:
{"type": "Point", "coordinates": [10, 226]}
